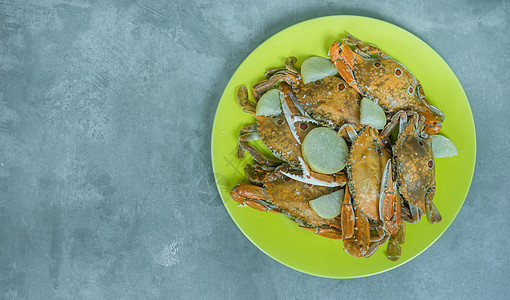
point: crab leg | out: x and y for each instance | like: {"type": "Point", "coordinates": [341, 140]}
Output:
{"type": "Point", "coordinates": [415, 213]}
{"type": "Point", "coordinates": [360, 244]}
{"type": "Point", "coordinates": [362, 230]}
{"type": "Point", "coordinates": [327, 232]}
{"type": "Point", "coordinates": [347, 215]}
{"type": "Point", "coordinates": [249, 128]}
{"type": "Point", "coordinates": [289, 64]}
{"type": "Point", "coordinates": [343, 58]}
{"type": "Point", "coordinates": [348, 131]}
{"type": "Point", "coordinates": [400, 116]}
{"type": "Point", "coordinates": [351, 247]}
{"type": "Point", "coordinates": [291, 112]}
{"type": "Point", "coordinates": [394, 250]}
{"type": "Point", "coordinates": [311, 177]}
{"type": "Point", "coordinates": [260, 88]}
{"type": "Point", "coordinates": [242, 98]}
{"type": "Point", "coordinates": [294, 106]}
{"type": "Point", "coordinates": [356, 231]}
{"type": "Point", "coordinates": [257, 156]}
{"type": "Point", "coordinates": [432, 213]}
{"type": "Point", "coordinates": [252, 195]}
{"type": "Point", "coordinates": [256, 173]}
{"type": "Point", "coordinates": [249, 136]}
{"type": "Point", "coordinates": [368, 49]}
{"type": "Point", "coordinates": [250, 133]}
{"type": "Point", "coordinates": [289, 67]}
{"type": "Point", "coordinates": [389, 204]}
{"type": "Point", "coordinates": [375, 245]}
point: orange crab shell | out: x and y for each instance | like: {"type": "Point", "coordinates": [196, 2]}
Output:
{"type": "Point", "coordinates": [367, 159]}
{"type": "Point", "coordinates": [331, 101]}
{"type": "Point", "coordinates": [276, 135]}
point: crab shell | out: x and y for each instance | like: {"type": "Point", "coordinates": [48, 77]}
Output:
{"type": "Point", "coordinates": [382, 79]}
{"type": "Point", "coordinates": [277, 136]}
{"type": "Point", "coordinates": [330, 101]}
{"type": "Point", "coordinates": [414, 165]}
{"type": "Point", "coordinates": [367, 160]}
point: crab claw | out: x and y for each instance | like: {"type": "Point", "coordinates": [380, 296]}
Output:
{"type": "Point", "coordinates": [344, 59]}
{"type": "Point", "coordinates": [389, 204]}
{"type": "Point", "coordinates": [348, 218]}
{"type": "Point", "coordinates": [291, 112]}
{"type": "Point", "coordinates": [432, 121]}
{"type": "Point", "coordinates": [252, 196]}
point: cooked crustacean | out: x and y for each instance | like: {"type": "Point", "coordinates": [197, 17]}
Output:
{"type": "Point", "coordinates": [278, 193]}
{"type": "Point", "coordinates": [379, 77]}
{"type": "Point", "coordinates": [371, 208]}
{"type": "Point", "coordinates": [280, 138]}
{"type": "Point", "coordinates": [386, 183]}
{"type": "Point", "coordinates": [330, 101]}
{"type": "Point", "coordinates": [414, 167]}
{"type": "Point", "coordinates": [274, 132]}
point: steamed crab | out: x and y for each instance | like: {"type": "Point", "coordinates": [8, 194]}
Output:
{"type": "Point", "coordinates": [379, 77]}
{"type": "Point", "coordinates": [274, 132]}
{"type": "Point", "coordinates": [330, 101]}
{"type": "Point", "coordinates": [414, 167]}
{"type": "Point", "coordinates": [271, 191]}
{"type": "Point", "coordinates": [371, 208]}
{"type": "Point", "coordinates": [283, 140]}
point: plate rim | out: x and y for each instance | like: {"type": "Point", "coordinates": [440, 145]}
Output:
{"type": "Point", "coordinates": [471, 120]}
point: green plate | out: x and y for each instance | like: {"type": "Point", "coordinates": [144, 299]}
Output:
{"type": "Point", "coordinates": [279, 237]}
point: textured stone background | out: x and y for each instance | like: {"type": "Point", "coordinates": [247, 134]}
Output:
{"type": "Point", "coordinates": [106, 187]}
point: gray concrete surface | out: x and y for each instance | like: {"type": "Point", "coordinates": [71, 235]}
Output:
{"type": "Point", "coordinates": [106, 189]}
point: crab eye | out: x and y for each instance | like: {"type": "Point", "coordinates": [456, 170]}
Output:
{"type": "Point", "coordinates": [420, 143]}
{"type": "Point", "coordinates": [378, 151]}
{"type": "Point", "coordinates": [303, 126]}
{"type": "Point", "coordinates": [398, 72]}
{"type": "Point", "coordinates": [341, 87]}
{"type": "Point", "coordinates": [410, 90]}
{"type": "Point", "coordinates": [279, 122]}
{"type": "Point", "coordinates": [317, 82]}
{"type": "Point", "coordinates": [377, 64]}
{"type": "Point", "coordinates": [430, 164]}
